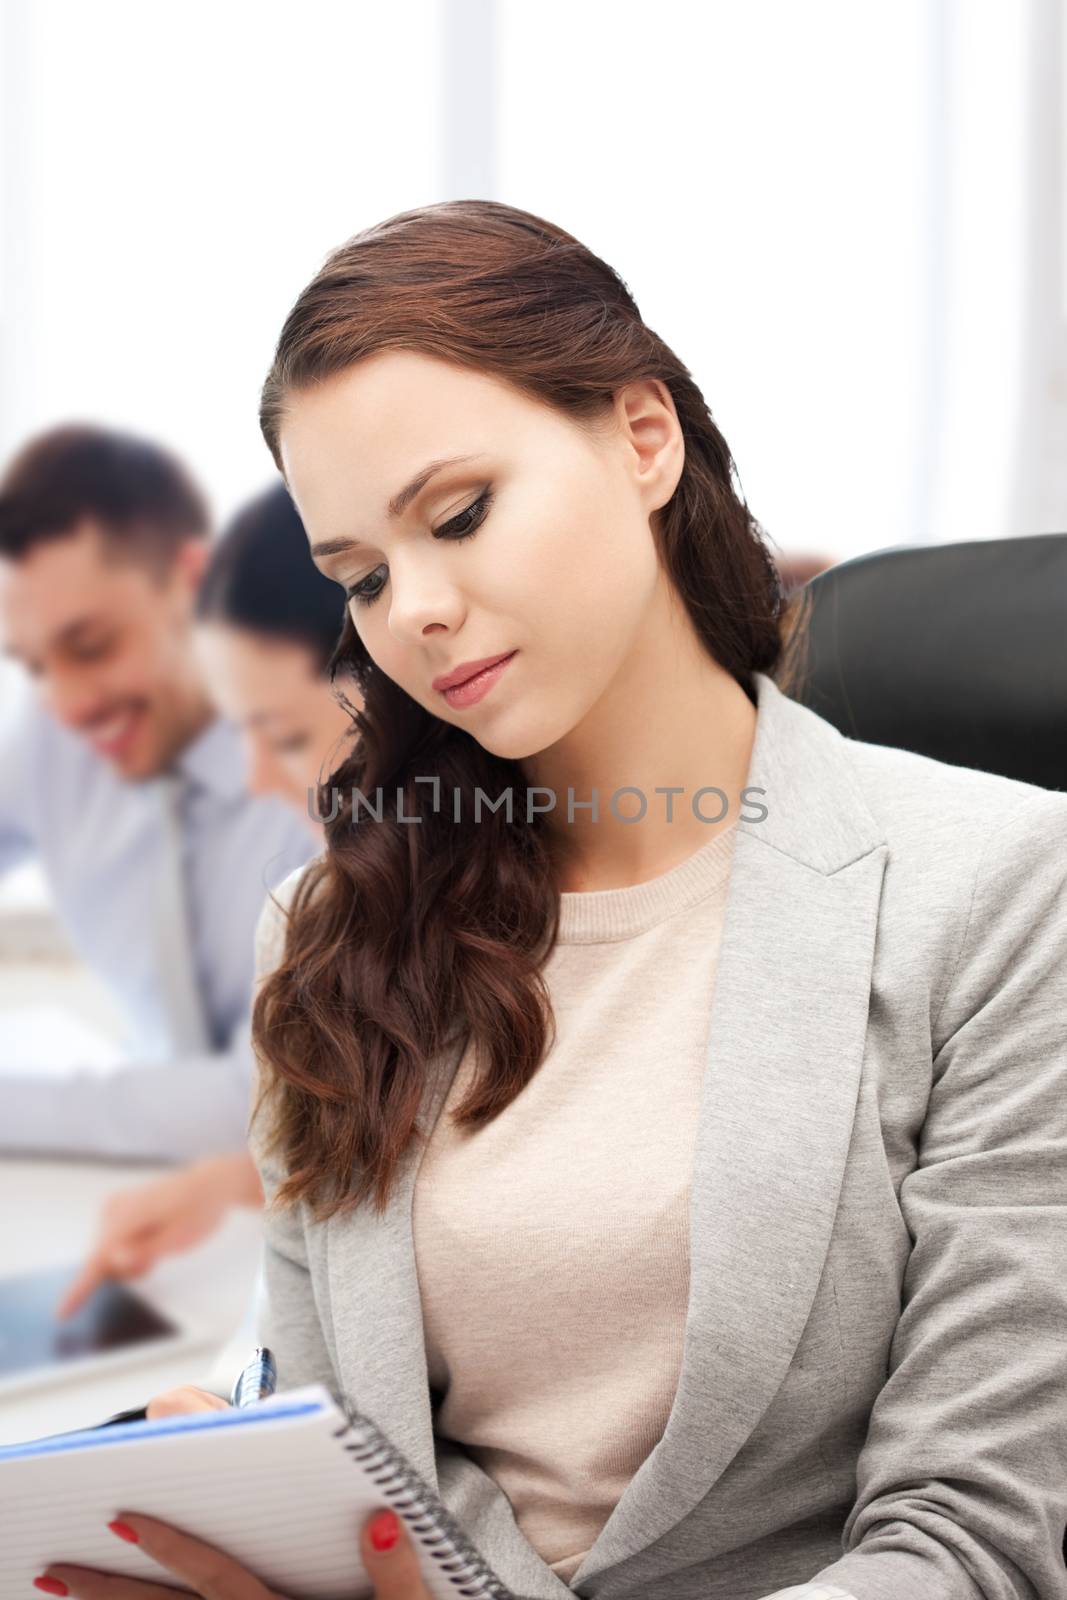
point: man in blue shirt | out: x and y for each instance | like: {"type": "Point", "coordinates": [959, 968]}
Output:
{"type": "Point", "coordinates": [119, 776]}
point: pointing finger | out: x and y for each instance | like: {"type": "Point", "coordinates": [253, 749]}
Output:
{"type": "Point", "coordinates": [86, 1283]}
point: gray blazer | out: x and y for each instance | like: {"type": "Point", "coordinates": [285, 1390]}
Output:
{"type": "Point", "coordinates": [873, 1389]}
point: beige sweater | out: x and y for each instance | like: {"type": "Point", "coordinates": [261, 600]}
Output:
{"type": "Point", "coordinates": [554, 1269]}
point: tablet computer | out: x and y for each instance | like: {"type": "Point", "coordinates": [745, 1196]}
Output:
{"type": "Point", "coordinates": [114, 1327]}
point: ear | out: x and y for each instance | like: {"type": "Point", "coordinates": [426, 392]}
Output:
{"type": "Point", "coordinates": [190, 561]}
{"type": "Point", "coordinates": [653, 437]}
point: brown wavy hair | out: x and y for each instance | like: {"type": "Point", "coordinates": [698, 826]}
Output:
{"type": "Point", "coordinates": [403, 938]}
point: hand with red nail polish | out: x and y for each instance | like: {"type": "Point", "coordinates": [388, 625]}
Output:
{"type": "Point", "coordinates": [390, 1559]}
{"type": "Point", "coordinates": [385, 1548]}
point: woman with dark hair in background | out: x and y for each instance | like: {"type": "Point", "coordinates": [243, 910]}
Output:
{"type": "Point", "coordinates": [268, 625]}
{"type": "Point", "coordinates": [664, 1102]}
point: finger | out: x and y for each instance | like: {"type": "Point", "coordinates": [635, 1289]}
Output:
{"type": "Point", "coordinates": [178, 1402]}
{"type": "Point", "coordinates": [179, 1234]}
{"type": "Point", "coordinates": [390, 1559]}
{"type": "Point", "coordinates": [120, 1254]}
{"type": "Point", "coordinates": [131, 1260]}
{"type": "Point", "coordinates": [86, 1283]}
{"type": "Point", "coordinates": [85, 1583]}
{"type": "Point", "coordinates": [208, 1571]}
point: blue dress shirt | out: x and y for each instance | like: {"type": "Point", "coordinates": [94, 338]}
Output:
{"type": "Point", "coordinates": [101, 839]}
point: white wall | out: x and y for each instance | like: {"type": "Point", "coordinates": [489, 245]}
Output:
{"type": "Point", "coordinates": [821, 207]}
{"type": "Point", "coordinates": [175, 176]}
{"type": "Point", "coordinates": [832, 211]}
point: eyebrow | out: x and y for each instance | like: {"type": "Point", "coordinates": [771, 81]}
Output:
{"type": "Point", "coordinates": [397, 505]}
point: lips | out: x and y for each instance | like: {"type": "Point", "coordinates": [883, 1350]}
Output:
{"type": "Point", "coordinates": [469, 669]}
{"type": "Point", "coordinates": [110, 736]}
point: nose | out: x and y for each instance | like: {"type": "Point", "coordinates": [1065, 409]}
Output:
{"type": "Point", "coordinates": [422, 597]}
{"type": "Point", "coordinates": [262, 774]}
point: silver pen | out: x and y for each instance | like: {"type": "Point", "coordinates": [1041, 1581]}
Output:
{"type": "Point", "coordinates": [256, 1381]}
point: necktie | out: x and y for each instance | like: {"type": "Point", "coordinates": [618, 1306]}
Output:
{"type": "Point", "coordinates": [177, 975]}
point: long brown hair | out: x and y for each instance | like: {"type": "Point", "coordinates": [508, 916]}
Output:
{"type": "Point", "coordinates": [403, 938]}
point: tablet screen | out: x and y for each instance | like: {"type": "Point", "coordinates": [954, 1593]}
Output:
{"type": "Point", "coordinates": [113, 1318]}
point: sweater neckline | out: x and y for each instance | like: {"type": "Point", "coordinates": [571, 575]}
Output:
{"type": "Point", "coordinates": [597, 916]}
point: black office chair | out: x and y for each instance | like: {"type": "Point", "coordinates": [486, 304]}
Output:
{"type": "Point", "coordinates": [956, 651]}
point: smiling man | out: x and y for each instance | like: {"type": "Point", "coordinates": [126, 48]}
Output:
{"type": "Point", "coordinates": [117, 773]}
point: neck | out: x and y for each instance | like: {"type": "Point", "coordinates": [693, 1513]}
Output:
{"type": "Point", "coordinates": [671, 718]}
{"type": "Point", "coordinates": [196, 713]}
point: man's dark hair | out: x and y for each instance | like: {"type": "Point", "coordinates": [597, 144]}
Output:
{"type": "Point", "coordinates": [142, 498]}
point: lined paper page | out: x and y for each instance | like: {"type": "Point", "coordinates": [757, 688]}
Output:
{"type": "Point", "coordinates": [271, 1485]}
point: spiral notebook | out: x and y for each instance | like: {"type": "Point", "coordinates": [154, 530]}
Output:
{"type": "Point", "coordinates": [283, 1485]}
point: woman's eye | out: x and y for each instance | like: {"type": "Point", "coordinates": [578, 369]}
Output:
{"type": "Point", "coordinates": [291, 746]}
{"type": "Point", "coordinates": [458, 527]}
{"type": "Point", "coordinates": [363, 592]}
{"type": "Point", "coordinates": [462, 526]}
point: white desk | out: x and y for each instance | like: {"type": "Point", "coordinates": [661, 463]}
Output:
{"type": "Point", "coordinates": [49, 1209]}
{"type": "Point", "coordinates": [48, 1217]}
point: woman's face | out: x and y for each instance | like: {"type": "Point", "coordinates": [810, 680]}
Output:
{"type": "Point", "coordinates": [294, 731]}
{"type": "Point", "coordinates": [537, 543]}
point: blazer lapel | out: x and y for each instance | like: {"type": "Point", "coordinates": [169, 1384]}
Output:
{"type": "Point", "coordinates": [784, 1053]}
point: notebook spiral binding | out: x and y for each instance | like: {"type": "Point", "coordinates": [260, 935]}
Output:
{"type": "Point", "coordinates": [430, 1521]}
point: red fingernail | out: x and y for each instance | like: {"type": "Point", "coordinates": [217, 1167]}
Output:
{"type": "Point", "coordinates": [50, 1585]}
{"type": "Point", "coordinates": [124, 1531]}
{"type": "Point", "coordinates": [384, 1530]}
